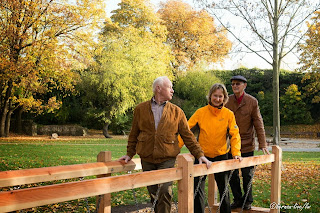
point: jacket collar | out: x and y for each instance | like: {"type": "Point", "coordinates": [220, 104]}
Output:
{"type": "Point", "coordinates": [214, 110]}
{"type": "Point", "coordinates": [243, 102]}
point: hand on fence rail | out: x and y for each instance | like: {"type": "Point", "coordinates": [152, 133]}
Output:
{"type": "Point", "coordinates": [205, 160]}
{"type": "Point", "coordinates": [265, 151]}
{"type": "Point", "coordinates": [238, 158]}
{"type": "Point", "coordinates": [124, 159]}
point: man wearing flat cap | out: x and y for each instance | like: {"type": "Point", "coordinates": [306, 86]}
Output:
{"type": "Point", "coordinates": [246, 110]}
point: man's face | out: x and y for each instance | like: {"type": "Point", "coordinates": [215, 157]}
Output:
{"type": "Point", "coordinates": [165, 90]}
{"type": "Point", "coordinates": [238, 87]}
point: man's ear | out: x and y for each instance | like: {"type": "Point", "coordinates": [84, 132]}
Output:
{"type": "Point", "coordinates": [245, 85]}
{"type": "Point", "coordinates": [158, 88]}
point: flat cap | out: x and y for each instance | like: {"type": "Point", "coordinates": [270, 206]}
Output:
{"type": "Point", "coordinates": [239, 77]}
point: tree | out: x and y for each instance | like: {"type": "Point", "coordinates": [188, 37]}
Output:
{"type": "Point", "coordinates": [192, 88]}
{"type": "Point", "coordinates": [193, 35]}
{"type": "Point", "coordinates": [134, 54]}
{"type": "Point", "coordinates": [294, 108]}
{"type": "Point", "coordinates": [310, 59]}
{"type": "Point", "coordinates": [39, 43]}
{"type": "Point", "coordinates": [276, 30]}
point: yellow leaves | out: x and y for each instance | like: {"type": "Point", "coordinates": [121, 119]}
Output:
{"type": "Point", "coordinates": [193, 34]}
{"type": "Point", "coordinates": [53, 104]}
{"type": "Point", "coordinates": [310, 56]}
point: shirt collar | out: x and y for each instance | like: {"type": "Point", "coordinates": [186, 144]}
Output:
{"type": "Point", "coordinates": [240, 98]}
{"type": "Point", "coordinates": [153, 100]}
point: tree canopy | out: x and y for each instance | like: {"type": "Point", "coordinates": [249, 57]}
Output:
{"type": "Point", "coordinates": [134, 54]}
{"type": "Point", "coordinates": [310, 59]}
{"type": "Point", "coordinates": [39, 43]}
{"type": "Point", "coordinates": [193, 35]}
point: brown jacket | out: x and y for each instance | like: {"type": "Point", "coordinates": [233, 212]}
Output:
{"type": "Point", "coordinates": [159, 145]}
{"type": "Point", "coordinates": [248, 117]}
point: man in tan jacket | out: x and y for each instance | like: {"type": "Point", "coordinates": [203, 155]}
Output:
{"type": "Point", "coordinates": [154, 137]}
{"type": "Point", "coordinates": [246, 110]}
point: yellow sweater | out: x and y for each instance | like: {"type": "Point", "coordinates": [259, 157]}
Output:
{"type": "Point", "coordinates": [214, 125]}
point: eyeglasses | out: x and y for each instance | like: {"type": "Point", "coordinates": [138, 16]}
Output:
{"type": "Point", "coordinates": [238, 83]}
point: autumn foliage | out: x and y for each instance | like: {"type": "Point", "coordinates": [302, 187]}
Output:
{"type": "Point", "coordinates": [310, 58]}
{"type": "Point", "coordinates": [193, 35]}
{"type": "Point", "coordinates": [40, 44]}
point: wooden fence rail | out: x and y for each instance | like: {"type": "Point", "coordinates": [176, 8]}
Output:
{"type": "Point", "coordinates": [106, 184]}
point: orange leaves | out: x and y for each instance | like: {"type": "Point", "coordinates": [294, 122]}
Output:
{"type": "Point", "coordinates": [193, 34]}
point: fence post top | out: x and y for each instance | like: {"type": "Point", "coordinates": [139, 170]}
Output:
{"type": "Point", "coordinates": [186, 157]}
{"type": "Point", "coordinates": [276, 148]}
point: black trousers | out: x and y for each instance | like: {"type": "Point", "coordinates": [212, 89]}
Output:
{"type": "Point", "coordinates": [247, 174]}
{"type": "Point", "coordinates": [222, 181]}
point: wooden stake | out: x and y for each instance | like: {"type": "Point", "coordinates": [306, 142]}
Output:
{"type": "Point", "coordinates": [276, 179]}
{"type": "Point", "coordinates": [212, 190]}
{"type": "Point", "coordinates": [105, 200]}
{"type": "Point", "coordinates": [186, 185]}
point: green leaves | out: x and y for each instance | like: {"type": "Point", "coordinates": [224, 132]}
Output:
{"type": "Point", "coordinates": [133, 55]}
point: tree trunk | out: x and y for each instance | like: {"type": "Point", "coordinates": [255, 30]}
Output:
{"type": "Point", "coordinates": [105, 130]}
{"type": "Point", "coordinates": [19, 120]}
{"type": "Point", "coordinates": [275, 65]}
{"type": "Point", "coordinates": [3, 122]}
{"type": "Point", "coordinates": [5, 109]}
{"type": "Point", "coordinates": [7, 123]}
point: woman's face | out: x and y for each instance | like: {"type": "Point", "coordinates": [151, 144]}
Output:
{"type": "Point", "coordinates": [217, 98]}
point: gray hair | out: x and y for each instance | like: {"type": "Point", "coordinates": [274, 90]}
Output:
{"type": "Point", "coordinates": [158, 81]}
{"type": "Point", "coordinates": [216, 87]}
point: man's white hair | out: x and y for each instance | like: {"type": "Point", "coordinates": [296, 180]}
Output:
{"type": "Point", "coordinates": [158, 81]}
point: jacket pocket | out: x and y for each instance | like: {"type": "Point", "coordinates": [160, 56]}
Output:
{"type": "Point", "coordinates": [170, 146]}
{"type": "Point", "coordinates": [144, 148]}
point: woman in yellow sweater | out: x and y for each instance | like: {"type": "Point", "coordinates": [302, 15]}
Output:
{"type": "Point", "coordinates": [215, 122]}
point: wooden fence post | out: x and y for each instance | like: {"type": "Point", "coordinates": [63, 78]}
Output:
{"type": "Point", "coordinates": [185, 185]}
{"type": "Point", "coordinates": [276, 179]}
{"type": "Point", "coordinates": [105, 200]}
{"type": "Point", "coordinates": [212, 190]}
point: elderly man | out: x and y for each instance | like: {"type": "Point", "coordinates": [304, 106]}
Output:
{"type": "Point", "coordinates": [154, 137]}
{"type": "Point", "coordinates": [248, 118]}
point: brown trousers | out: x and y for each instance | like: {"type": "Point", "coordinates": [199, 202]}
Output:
{"type": "Point", "coordinates": [163, 204]}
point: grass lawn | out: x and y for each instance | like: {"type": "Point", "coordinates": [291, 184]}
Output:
{"type": "Point", "coordinates": [300, 177]}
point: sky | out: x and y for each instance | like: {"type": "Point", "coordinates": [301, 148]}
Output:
{"type": "Point", "coordinates": [249, 60]}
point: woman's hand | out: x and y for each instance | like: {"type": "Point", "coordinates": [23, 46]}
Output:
{"type": "Point", "coordinates": [238, 158]}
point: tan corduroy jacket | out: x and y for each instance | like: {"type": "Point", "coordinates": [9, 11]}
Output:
{"type": "Point", "coordinates": [161, 144]}
{"type": "Point", "coordinates": [248, 118]}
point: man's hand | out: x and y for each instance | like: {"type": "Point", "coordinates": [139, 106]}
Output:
{"type": "Point", "coordinates": [265, 151]}
{"type": "Point", "coordinates": [124, 158]}
{"type": "Point", "coordinates": [238, 158]}
{"type": "Point", "coordinates": [206, 161]}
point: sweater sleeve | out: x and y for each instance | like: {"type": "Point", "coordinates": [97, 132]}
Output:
{"type": "Point", "coordinates": [133, 136]}
{"type": "Point", "coordinates": [191, 123]}
{"type": "Point", "coordinates": [258, 125]}
{"type": "Point", "coordinates": [186, 137]}
{"type": "Point", "coordinates": [235, 140]}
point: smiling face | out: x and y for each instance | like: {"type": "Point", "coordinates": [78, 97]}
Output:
{"type": "Point", "coordinates": [238, 87]}
{"type": "Point", "coordinates": [217, 98]}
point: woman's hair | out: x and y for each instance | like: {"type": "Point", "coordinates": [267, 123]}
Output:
{"type": "Point", "coordinates": [224, 91]}
{"type": "Point", "coordinates": [158, 81]}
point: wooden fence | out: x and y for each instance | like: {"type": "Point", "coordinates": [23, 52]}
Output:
{"type": "Point", "coordinates": [105, 184]}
